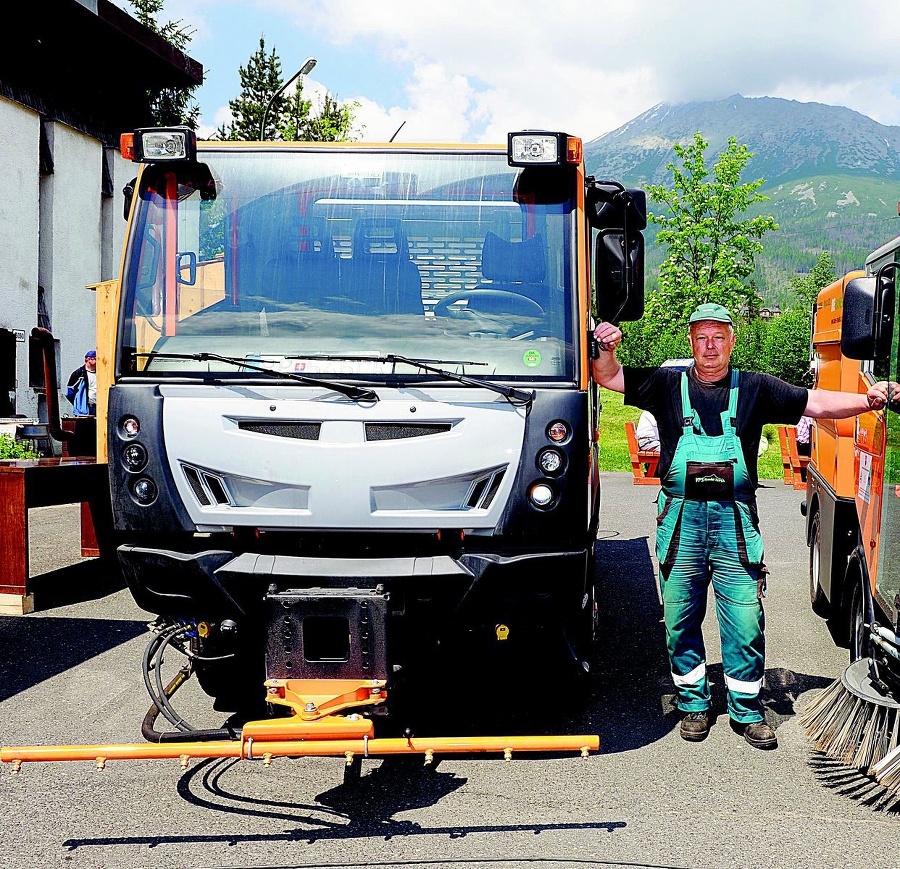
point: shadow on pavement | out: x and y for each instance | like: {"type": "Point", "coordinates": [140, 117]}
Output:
{"type": "Point", "coordinates": [360, 809]}
{"type": "Point", "coordinates": [35, 649]}
{"type": "Point", "coordinates": [85, 580]}
{"type": "Point", "coordinates": [631, 672]}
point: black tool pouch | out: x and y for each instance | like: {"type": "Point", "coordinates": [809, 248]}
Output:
{"type": "Point", "coordinates": [709, 481]}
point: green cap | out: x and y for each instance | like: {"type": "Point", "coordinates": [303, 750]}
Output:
{"type": "Point", "coordinates": [711, 311]}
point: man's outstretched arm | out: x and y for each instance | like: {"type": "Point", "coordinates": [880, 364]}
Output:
{"type": "Point", "coordinates": [825, 404]}
{"type": "Point", "coordinates": [606, 368]}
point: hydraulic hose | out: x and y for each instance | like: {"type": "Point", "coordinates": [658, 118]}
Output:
{"type": "Point", "coordinates": [152, 735]}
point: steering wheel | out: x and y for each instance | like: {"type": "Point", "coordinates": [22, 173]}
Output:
{"type": "Point", "coordinates": [496, 302]}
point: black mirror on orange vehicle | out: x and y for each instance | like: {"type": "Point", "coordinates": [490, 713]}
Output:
{"type": "Point", "coordinates": [619, 275]}
{"type": "Point", "coordinates": [868, 317]}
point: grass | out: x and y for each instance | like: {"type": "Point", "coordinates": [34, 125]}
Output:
{"type": "Point", "coordinates": [614, 446]}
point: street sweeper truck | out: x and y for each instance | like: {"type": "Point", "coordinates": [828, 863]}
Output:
{"type": "Point", "coordinates": [853, 519]}
{"type": "Point", "coordinates": [352, 433]}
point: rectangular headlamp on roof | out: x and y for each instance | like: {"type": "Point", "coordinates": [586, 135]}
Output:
{"type": "Point", "coordinates": [163, 144]}
{"type": "Point", "coordinates": [538, 148]}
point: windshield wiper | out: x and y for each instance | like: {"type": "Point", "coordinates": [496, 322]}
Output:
{"type": "Point", "coordinates": [517, 397]}
{"type": "Point", "coordinates": [355, 393]}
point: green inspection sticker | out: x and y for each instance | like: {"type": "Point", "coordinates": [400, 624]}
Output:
{"type": "Point", "coordinates": [532, 358]}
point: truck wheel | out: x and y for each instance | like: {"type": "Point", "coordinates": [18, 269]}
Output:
{"type": "Point", "coordinates": [859, 639]}
{"type": "Point", "coordinates": [817, 599]}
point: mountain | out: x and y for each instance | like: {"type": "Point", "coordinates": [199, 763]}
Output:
{"type": "Point", "coordinates": [832, 175]}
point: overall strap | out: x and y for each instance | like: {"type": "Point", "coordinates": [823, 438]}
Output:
{"type": "Point", "coordinates": [690, 419]}
{"type": "Point", "coordinates": [729, 415]}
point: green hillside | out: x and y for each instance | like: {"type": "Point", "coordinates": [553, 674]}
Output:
{"type": "Point", "coordinates": [832, 176]}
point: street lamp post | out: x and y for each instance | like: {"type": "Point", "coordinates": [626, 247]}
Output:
{"type": "Point", "coordinates": [307, 68]}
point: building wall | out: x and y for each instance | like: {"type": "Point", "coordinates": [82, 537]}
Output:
{"type": "Point", "coordinates": [71, 241]}
{"type": "Point", "coordinates": [19, 233]}
{"type": "Point", "coordinates": [57, 231]}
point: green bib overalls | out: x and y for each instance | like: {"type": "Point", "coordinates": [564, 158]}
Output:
{"type": "Point", "coordinates": [707, 531]}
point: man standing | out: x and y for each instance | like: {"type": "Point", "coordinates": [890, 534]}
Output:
{"type": "Point", "coordinates": [81, 389]}
{"type": "Point", "coordinates": [710, 420]}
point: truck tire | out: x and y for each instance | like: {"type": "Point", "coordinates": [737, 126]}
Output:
{"type": "Point", "coordinates": [817, 599]}
{"type": "Point", "coordinates": [859, 637]}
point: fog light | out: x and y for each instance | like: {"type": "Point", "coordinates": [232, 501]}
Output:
{"type": "Point", "coordinates": [144, 490]}
{"type": "Point", "coordinates": [558, 431]}
{"type": "Point", "coordinates": [542, 495]}
{"type": "Point", "coordinates": [130, 426]}
{"type": "Point", "coordinates": [134, 456]}
{"type": "Point", "coordinates": [551, 461]}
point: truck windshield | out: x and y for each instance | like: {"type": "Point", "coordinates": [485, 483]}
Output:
{"type": "Point", "coordinates": [309, 260]}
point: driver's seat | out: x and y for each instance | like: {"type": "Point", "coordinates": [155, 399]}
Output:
{"type": "Point", "coordinates": [515, 267]}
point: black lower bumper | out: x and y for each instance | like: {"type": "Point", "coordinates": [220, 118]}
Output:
{"type": "Point", "coordinates": [340, 618]}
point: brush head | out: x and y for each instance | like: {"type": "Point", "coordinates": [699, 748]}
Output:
{"type": "Point", "coordinates": [861, 680]}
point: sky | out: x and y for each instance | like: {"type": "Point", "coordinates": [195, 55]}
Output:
{"type": "Point", "coordinates": [473, 70]}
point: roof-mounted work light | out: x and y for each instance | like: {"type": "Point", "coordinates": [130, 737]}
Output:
{"type": "Point", "coordinates": [543, 149]}
{"type": "Point", "coordinates": [159, 144]}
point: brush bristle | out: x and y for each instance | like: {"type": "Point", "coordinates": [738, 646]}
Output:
{"type": "Point", "coordinates": [855, 732]}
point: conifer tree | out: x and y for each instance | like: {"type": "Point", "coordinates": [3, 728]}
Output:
{"type": "Point", "coordinates": [291, 117]}
{"type": "Point", "coordinates": [169, 106]}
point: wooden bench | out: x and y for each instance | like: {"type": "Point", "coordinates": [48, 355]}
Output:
{"type": "Point", "coordinates": [643, 462]}
{"type": "Point", "coordinates": [27, 483]}
{"type": "Point", "coordinates": [793, 464]}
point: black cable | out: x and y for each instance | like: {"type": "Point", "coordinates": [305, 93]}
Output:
{"type": "Point", "coordinates": [152, 735]}
{"type": "Point", "coordinates": [175, 718]}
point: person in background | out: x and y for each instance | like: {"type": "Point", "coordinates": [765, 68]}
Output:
{"type": "Point", "coordinates": [646, 432]}
{"type": "Point", "coordinates": [81, 389]}
{"type": "Point", "coordinates": [804, 431]}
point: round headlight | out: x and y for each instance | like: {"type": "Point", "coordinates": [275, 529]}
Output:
{"type": "Point", "coordinates": [542, 495]}
{"type": "Point", "coordinates": [134, 457]}
{"type": "Point", "coordinates": [130, 426]}
{"type": "Point", "coordinates": [557, 432]}
{"type": "Point", "coordinates": [144, 490]}
{"type": "Point", "coordinates": [551, 461]}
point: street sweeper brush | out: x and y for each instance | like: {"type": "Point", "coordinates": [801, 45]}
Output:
{"type": "Point", "coordinates": [856, 721]}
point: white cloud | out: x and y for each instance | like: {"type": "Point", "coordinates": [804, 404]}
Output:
{"type": "Point", "coordinates": [474, 69]}
{"type": "Point", "coordinates": [589, 67]}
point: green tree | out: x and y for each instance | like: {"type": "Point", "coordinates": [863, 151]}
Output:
{"type": "Point", "coordinates": [333, 122]}
{"type": "Point", "coordinates": [806, 287]}
{"type": "Point", "coordinates": [711, 246]}
{"type": "Point", "coordinates": [260, 81]}
{"type": "Point", "coordinates": [169, 106]}
{"type": "Point", "coordinates": [291, 117]}
{"type": "Point", "coordinates": [784, 350]}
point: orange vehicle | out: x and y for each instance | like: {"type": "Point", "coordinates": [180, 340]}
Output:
{"type": "Point", "coordinates": [352, 435]}
{"type": "Point", "coordinates": [853, 490]}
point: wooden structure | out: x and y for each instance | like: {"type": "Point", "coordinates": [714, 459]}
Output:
{"type": "Point", "coordinates": [26, 483]}
{"type": "Point", "coordinates": [643, 462]}
{"type": "Point", "coordinates": [793, 464]}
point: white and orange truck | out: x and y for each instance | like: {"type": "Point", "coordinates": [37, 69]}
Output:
{"type": "Point", "coordinates": [853, 485]}
{"type": "Point", "coordinates": [351, 430]}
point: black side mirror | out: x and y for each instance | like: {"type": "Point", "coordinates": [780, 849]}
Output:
{"type": "Point", "coordinates": [619, 275]}
{"type": "Point", "coordinates": [619, 215]}
{"type": "Point", "coordinates": [867, 321]}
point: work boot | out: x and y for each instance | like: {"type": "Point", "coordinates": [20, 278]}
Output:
{"type": "Point", "coordinates": [695, 726]}
{"type": "Point", "coordinates": [757, 733]}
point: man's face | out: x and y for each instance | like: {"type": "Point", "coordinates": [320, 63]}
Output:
{"type": "Point", "coordinates": [90, 362]}
{"type": "Point", "coordinates": [711, 346]}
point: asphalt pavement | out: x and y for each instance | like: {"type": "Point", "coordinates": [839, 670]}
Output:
{"type": "Point", "coordinates": [71, 673]}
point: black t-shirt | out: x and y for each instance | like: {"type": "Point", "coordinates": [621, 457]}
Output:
{"type": "Point", "coordinates": [761, 399]}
